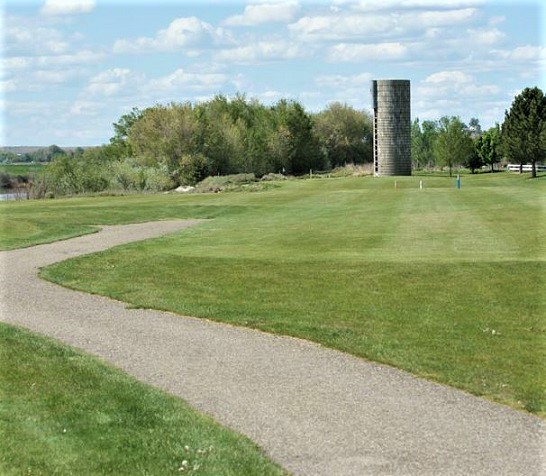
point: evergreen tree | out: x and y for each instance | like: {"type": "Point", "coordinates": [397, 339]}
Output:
{"type": "Point", "coordinates": [523, 128]}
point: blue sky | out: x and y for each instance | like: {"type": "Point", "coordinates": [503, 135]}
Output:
{"type": "Point", "coordinates": [72, 68]}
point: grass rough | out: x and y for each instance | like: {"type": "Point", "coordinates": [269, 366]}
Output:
{"type": "Point", "coordinates": [441, 282]}
{"type": "Point", "coordinates": [64, 412]}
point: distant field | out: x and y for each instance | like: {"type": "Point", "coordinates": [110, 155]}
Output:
{"type": "Point", "coordinates": [444, 283]}
{"type": "Point", "coordinates": [20, 169]}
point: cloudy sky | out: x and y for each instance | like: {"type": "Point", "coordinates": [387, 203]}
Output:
{"type": "Point", "coordinates": [72, 68]}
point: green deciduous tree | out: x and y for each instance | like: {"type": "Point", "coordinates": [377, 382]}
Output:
{"type": "Point", "coordinates": [488, 147]}
{"type": "Point", "coordinates": [303, 145]}
{"type": "Point", "coordinates": [423, 137]}
{"type": "Point", "coordinates": [523, 128]}
{"type": "Point", "coordinates": [119, 140]}
{"type": "Point", "coordinates": [163, 135]}
{"type": "Point", "coordinates": [346, 134]}
{"type": "Point", "coordinates": [473, 161]}
{"type": "Point", "coordinates": [453, 145]}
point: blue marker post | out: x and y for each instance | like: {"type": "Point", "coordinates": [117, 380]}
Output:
{"type": "Point", "coordinates": [458, 182]}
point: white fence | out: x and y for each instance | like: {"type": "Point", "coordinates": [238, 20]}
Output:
{"type": "Point", "coordinates": [525, 168]}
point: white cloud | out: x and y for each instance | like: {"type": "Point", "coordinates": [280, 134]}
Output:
{"type": "Point", "coordinates": [112, 81]}
{"type": "Point", "coordinates": [181, 80]}
{"type": "Point", "coordinates": [8, 86]}
{"type": "Point", "coordinates": [449, 76]}
{"type": "Point", "coordinates": [350, 89]}
{"type": "Point", "coordinates": [362, 52]}
{"type": "Point", "coordinates": [21, 63]}
{"type": "Point", "coordinates": [493, 21]}
{"type": "Point", "coordinates": [38, 80]}
{"type": "Point", "coordinates": [445, 18]}
{"type": "Point", "coordinates": [83, 107]}
{"type": "Point", "coordinates": [16, 63]}
{"type": "Point", "coordinates": [524, 53]}
{"type": "Point", "coordinates": [457, 85]}
{"type": "Point", "coordinates": [40, 40]}
{"type": "Point", "coordinates": [343, 82]}
{"type": "Point", "coordinates": [372, 5]}
{"type": "Point", "coordinates": [79, 57]}
{"type": "Point", "coordinates": [351, 25]}
{"type": "Point", "coordinates": [486, 37]}
{"type": "Point", "coordinates": [122, 86]}
{"type": "Point", "coordinates": [181, 33]}
{"type": "Point", "coordinates": [256, 14]}
{"type": "Point", "coordinates": [67, 7]}
{"type": "Point", "coordinates": [261, 51]}
{"type": "Point", "coordinates": [54, 77]}
{"type": "Point", "coordinates": [271, 96]}
{"type": "Point", "coordinates": [339, 26]}
{"type": "Point", "coordinates": [240, 82]}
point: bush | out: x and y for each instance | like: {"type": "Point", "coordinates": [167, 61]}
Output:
{"type": "Point", "coordinates": [192, 169]}
{"type": "Point", "coordinates": [5, 180]}
{"type": "Point", "coordinates": [157, 179]}
{"type": "Point", "coordinates": [126, 174]}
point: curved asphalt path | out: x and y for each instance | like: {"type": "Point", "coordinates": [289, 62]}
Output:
{"type": "Point", "coordinates": [316, 411]}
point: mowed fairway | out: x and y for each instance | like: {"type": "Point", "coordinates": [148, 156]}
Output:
{"type": "Point", "coordinates": [445, 283]}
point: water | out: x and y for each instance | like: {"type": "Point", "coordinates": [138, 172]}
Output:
{"type": "Point", "coordinates": [13, 196]}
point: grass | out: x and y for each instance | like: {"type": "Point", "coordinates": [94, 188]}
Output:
{"type": "Point", "coordinates": [64, 412]}
{"type": "Point", "coordinates": [20, 169]}
{"type": "Point", "coordinates": [444, 283]}
{"type": "Point", "coordinates": [30, 222]}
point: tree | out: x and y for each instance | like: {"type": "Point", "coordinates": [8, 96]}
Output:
{"type": "Point", "coordinates": [523, 128]}
{"type": "Point", "coordinates": [473, 161]}
{"type": "Point", "coordinates": [121, 132]}
{"type": "Point", "coordinates": [453, 145]}
{"type": "Point", "coordinates": [165, 134]}
{"type": "Point", "coordinates": [193, 169]}
{"type": "Point", "coordinates": [423, 138]}
{"type": "Point", "coordinates": [345, 133]}
{"type": "Point", "coordinates": [304, 151]}
{"type": "Point", "coordinates": [488, 146]}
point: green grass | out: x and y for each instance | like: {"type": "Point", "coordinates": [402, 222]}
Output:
{"type": "Point", "coordinates": [20, 169]}
{"type": "Point", "coordinates": [30, 222]}
{"type": "Point", "coordinates": [445, 283]}
{"type": "Point", "coordinates": [64, 412]}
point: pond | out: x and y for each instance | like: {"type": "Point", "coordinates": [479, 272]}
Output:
{"type": "Point", "coordinates": [13, 196]}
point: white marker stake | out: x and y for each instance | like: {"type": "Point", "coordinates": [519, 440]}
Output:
{"type": "Point", "coordinates": [420, 185]}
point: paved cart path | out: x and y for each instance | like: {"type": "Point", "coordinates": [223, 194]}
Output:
{"type": "Point", "coordinates": [316, 411]}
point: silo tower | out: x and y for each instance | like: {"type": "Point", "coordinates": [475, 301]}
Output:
{"type": "Point", "coordinates": [392, 127]}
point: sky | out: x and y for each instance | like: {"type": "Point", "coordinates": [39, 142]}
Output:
{"type": "Point", "coordinates": [69, 69]}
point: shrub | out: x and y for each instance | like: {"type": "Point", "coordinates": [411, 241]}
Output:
{"type": "Point", "coordinates": [192, 169]}
{"type": "Point", "coordinates": [157, 179]}
{"type": "Point", "coordinates": [126, 174]}
{"type": "Point", "coordinates": [5, 180]}
{"type": "Point", "coordinates": [225, 182]}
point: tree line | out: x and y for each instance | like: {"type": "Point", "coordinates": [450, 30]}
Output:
{"type": "Point", "coordinates": [164, 146]}
{"type": "Point", "coordinates": [449, 142]}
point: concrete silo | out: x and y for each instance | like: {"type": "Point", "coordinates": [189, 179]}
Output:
{"type": "Point", "coordinates": [392, 127]}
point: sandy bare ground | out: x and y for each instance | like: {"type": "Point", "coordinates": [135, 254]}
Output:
{"type": "Point", "coordinates": [316, 411]}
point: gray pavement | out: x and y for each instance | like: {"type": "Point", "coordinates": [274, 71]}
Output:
{"type": "Point", "coordinates": [315, 411]}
